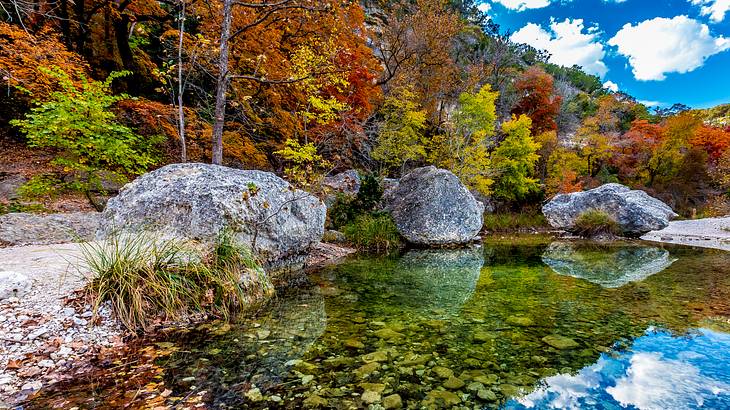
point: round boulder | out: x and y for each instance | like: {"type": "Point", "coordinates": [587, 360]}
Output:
{"type": "Point", "coordinates": [431, 207]}
{"type": "Point", "coordinates": [634, 211]}
{"type": "Point", "coordinates": [198, 201]}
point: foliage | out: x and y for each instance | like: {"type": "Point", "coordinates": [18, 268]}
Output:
{"type": "Point", "coordinates": [145, 277]}
{"type": "Point", "coordinates": [306, 167]}
{"type": "Point", "coordinates": [595, 222]}
{"type": "Point", "coordinates": [373, 232]}
{"type": "Point", "coordinates": [565, 168]}
{"type": "Point", "coordinates": [513, 222]}
{"type": "Point", "coordinates": [401, 137]}
{"type": "Point", "coordinates": [515, 160]}
{"type": "Point", "coordinates": [346, 208]}
{"type": "Point", "coordinates": [79, 123]}
{"type": "Point", "coordinates": [466, 152]}
{"type": "Point", "coordinates": [41, 186]}
{"type": "Point", "coordinates": [538, 100]}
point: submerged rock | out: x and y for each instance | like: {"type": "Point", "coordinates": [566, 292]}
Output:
{"type": "Point", "coordinates": [608, 266]}
{"type": "Point", "coordinates": [198, 201]}
{"type": "Point", "coordinates": [634, 211]}
{"type": "Point", "coordinates": [431, 207]}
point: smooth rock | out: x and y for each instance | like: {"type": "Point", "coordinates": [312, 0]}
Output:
{"type": "Point", "coordinates": [393, 401]}
{"type": "Point", "coordinates": [198, 201]}
{"type": "Point", "coordinates": [431, 207]}
{"type": "Point", "coordinates": [18, 229]}
{"type": "Point", "coordinates": [370, 397]}
{"type": "Point", "coordinates": [454, 383]}
{"type": "Point", "coordinates": [634, 211]}
{"type": "Point", "coordinates": [13, 284]}
{"type": "Point", "coordinates": [560, 342]}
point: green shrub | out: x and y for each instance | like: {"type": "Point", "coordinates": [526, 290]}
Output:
{"type": "Point", "coordinates": [346, 208]}
{"type": "Point", "coordinates": [595, 222]}
{"type": "Point", "coordinates": [510, 222]}
{"type": "Point", "coordinates": [373, 232]}
{"type": "Point", "coordinates": [79, 123]}
{"type": "Point", "coordinates": [145, 277]}
{"type": "Point", "coordinates": [41, 186]}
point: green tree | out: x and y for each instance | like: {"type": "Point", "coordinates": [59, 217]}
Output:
{"type": "Point", "coordinates": [467, 150]}
{"type": "Point", "coordinates": [515, 160]}
{"type": "Point", "coordinates": [401, 138]}
{"type": "Point", "coordinates": [305, 167]}
{"type": "Point", "coordinates": [79, 123]}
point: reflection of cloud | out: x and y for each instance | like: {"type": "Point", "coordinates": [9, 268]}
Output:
{"type": "Point", "coordinates": [660, 372]}
{"type": "Point", "coordinates": [655, 383]}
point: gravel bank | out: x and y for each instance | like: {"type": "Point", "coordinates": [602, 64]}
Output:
{"type": "Point", "coordinates": [42, 338]}
{"type": "Point", "coordinates": [705, 233]}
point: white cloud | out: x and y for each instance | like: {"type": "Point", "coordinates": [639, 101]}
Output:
{"type": "Point", "coordinates": [484, 7]}
{"type": "Point", "coordinates": [521, 5]}
{"type": "Point", "coordinates": [661, 45]}
{"type": "Point", "coordinates": [569, 42]}
{"type": "Point", "coordinates": [655, 383]}
{"type": "Point", "coordinates": [716, 9]}
{"type": "Point", "coordinates": [610, 86]}
{"type": "Point", "coordinates": [650, 103]}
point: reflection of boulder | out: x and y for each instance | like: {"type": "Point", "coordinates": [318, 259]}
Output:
{"type": "Point", "coordinates": [608, 266]}
{"type": "Point", "coordinates": [428, 281]}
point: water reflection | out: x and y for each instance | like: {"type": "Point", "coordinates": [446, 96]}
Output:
{"type": "Point", "coordinates": [609, 266]}
{"type": "Point", "coordinates": [660, 371]}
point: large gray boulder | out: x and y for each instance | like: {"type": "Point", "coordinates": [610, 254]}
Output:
{"type": "Point", "coordinates": [634, 211]}
{"type": "Point", "coordinates": [345, 183]}
{"type": "Point", "coordinates": [431, 207]}
{"type": "Point", "coordinates": [198, 201]}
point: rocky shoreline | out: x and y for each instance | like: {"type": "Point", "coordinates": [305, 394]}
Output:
{"type": "Point", "coordinates": [49, 334]}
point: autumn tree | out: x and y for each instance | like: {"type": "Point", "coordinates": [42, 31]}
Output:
{"type": "Point", "coordinates": [715, 141]}
{"type": "Point", "coordinates": [564, 171]}
{"type": "Point", "coordinates": [633, 151]}
{"type": "Point", "coordinates": [401, 136]}
{"type": "Point", "coordinates": [537, 100]}
{"type": "Point", "coordinates": [515, 159]}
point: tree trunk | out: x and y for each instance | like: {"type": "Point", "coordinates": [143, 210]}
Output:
{"type": "Point", "coordinates": [181, 86]}
{"type": "Point", "coordinates": [222, 84]}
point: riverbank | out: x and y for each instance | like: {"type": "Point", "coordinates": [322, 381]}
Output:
{"type": "Point", "coordinates": [705, 233]}
{"type": "Point", "coordinates": [47, 334]}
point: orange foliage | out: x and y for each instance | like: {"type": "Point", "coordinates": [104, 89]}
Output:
{"type": "Point", "coordinates": [715, 141]}
{"type": "Point", "coordinates": [21, 54]}
{"type": "Point", "coordinates": [538, 101]}
{"type": "Point", "coordinates": [634, 149]}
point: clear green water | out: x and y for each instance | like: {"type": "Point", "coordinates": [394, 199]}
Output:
{"type": "Point", "coordinates": [525, 325]}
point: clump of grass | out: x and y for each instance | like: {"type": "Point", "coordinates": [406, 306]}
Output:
{"type": "Point", "coordinates": [595, 222]}
{"type": "Point", "coordinates": [513, 222]}
{"type": "Point", "coordinates": [373, 232]}
{"type": "Point", "coordinates": [145, 277]}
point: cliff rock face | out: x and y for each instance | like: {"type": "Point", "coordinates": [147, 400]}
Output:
{"type": "Point", "coordinates": [634, 211]}
{"type": "Point", "coordinates": [198, 201]}
{"type": "Point", "coordinates": [431, 207]}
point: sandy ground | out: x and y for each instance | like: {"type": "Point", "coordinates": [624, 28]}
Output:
{"type": "Point", "coordinates": [705, 233]}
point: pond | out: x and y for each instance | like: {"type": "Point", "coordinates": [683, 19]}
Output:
{"type": "Point", "coordinates": [511, 324]}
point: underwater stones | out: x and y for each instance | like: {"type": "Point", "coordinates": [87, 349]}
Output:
{"type": "Point", "coordinates": [393, 401]}
{"type": "Point", "coordinates": [388, 334]}
{"type": "Point", "coordinates": [522, 321]}
{"type": "Point", "coordinates": [634, 211]}
{"type": "Point", "coordinates": [438, 398]}
{"type": "Point", "coordinates": [370, 397]}
{"type": "Point", "coordinates": [366, 370]}
{"type": "Point", "coordinates": [453, 383]}
{"type": "Point", "coordinates": [197, 201]}
{"type": "Point", "coordinates": [254, 395]}
{"type": "Point", "coordinates": [488, 379]}
{"type": "Point", "coordinates": [414, 359]}
{"type": "Point", "coordinates": [315, 401]}
{"type": "Point", "coordinates": [560, 342]}
{"type": "Point", "coordinates": [610, 266]}
{"type": "Point", "coordinates": [487, 395]}
{"type": "Point", "coordinates": [431, 207]}
{"type": "Point", "coordinates": [379, 356]}
{"type": "Point", "coordinates": [483, 337]}
{"type": "Point", "coordinates": [443, 372]}
{"type": "Point", "coordinates": [354, 344]}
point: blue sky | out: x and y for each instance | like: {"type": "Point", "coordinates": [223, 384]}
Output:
{"type": "Point", "coordinates": [661, 52]}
